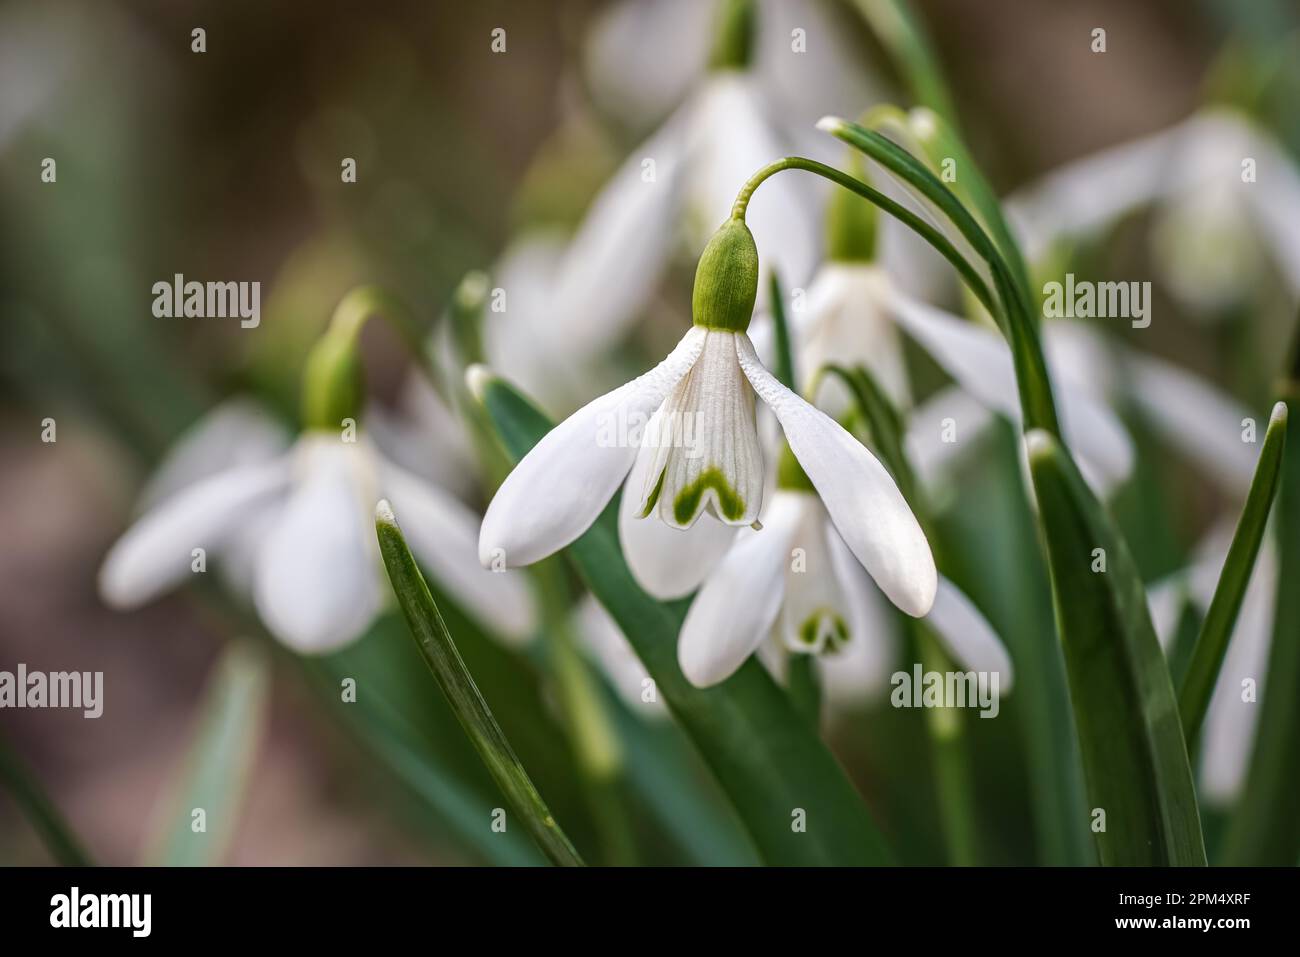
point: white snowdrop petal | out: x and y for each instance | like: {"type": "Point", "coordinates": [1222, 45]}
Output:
{"type": "Point", "coordinates": [559, 488]}
{"type": "Point", "coordinates": [443, 534]}
{"type": "Point", "coordinates": [316, 585]}
{"type": "Point", "coordinates": [620, 250]}
{"type": "Point", "coordinates": [667, 562]}
{"type": "Point", "coordinates": [815, 617]}
{"type": "Point", "coordinates": [860, 670]}
{"type": "Point", "coordinates": [738, 604]}
{"type": "Point", "coordinates": [968, 635]}
{"type": "Point", "coordinates": [708, 443]}
{"type": "Point", "coordinates": [156, 552]}
{"type": "Point", "coordinates": [866, 506]}
{"type": "Point", "coordinates": [237, 432]}
{"type": "Point", "coordinates": [979, 359]}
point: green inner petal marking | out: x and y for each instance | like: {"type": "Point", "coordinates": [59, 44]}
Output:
{"type": "Point", "coordinates": [839, 631]}
{"type": "Point", "coordinates": [654, 495]}
{"type": "Point", "coordinates": [687, 503]}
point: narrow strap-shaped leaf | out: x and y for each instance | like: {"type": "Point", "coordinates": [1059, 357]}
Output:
{"type": "Point", "coordinates": [443, 658]}
{"type": "Point", "coordinates": [784, 366]}
{"type": "Point", "coordinates": [1265, 828]}
{"type": "Point", "coordinates": [59, 839]}
{"type": "Point", "coordinates": [217, 767]}
{"type": "Point", "coordinates": [1139, 781]}
{"type": "Point", "coordinates": [1212, 645]}
{"type": "Point", "coordinates": [788, 789]}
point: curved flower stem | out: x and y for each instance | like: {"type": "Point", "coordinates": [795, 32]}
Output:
{"type": "Point", "coordinates": [363, 303]}
{"type": "Point", "coordinates": [1012, 308]}
{"type": "Point", "coordinates": [927, 232]}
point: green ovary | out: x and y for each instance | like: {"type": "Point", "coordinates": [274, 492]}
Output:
{"type": "Point", "coordinates": [730, 505]}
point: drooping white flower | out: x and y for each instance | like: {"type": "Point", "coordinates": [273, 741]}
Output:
{"type": "Point", "coordinates": [798, 579]}
{"type": "Point", "coordinates": [1227, 199]}
{"type": "Point", "coordinates": [697, 465]}
{"type": "Point", "coordinates": [296, 527]}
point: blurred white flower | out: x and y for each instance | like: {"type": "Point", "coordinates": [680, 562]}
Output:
{"type": "Point", "coordinates": [1228, 734]}
{"type": "Point", "coordinates": [1226, 196]}
{"type": "Point", "coordinates": [684, 177]}
{"type": "Point", "coordinates": [295, 528]}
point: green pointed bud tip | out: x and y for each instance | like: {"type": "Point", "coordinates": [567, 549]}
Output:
{"type": "Point", "coordinates": [332, 382]}
{"type": "Point", "coordinates": [726, 279]}
{"type": "Point", "coordinates": [733, 42]}
{"type": "Point", "coordinates": [477, 379]}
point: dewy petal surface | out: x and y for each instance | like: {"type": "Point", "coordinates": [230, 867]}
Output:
{"type": "Point", "coordinates": [316, 584]}
{"type": "Point", "coordinates": [738, 604]}
{"type": "Point", "coordinates": [709, 443]}
{"type": "Point", "coordinates": [667, 562]}
{"type": "Point", "coordinates": [866, 506]}
{"type": "Point", "coordinates": [559, 488]}
{"type": "Point", "coordinates": [156, 552]}
{"type": "Point", "coordinates": [443, 534]}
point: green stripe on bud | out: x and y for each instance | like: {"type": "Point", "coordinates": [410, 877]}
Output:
{"type": "Point", "coordinates": [733, 41]}
{"type": "Point", "coordinates": [851, 222]}
{"type": "Point", "coordinates": [726, 279]}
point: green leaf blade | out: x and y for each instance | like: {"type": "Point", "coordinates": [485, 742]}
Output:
{"type": "Point", "coordinates": [467, 702]}
{"type": "Point", "coordinates": [218, 764]}
{"type": "Point", "coordinates": [1135, 761]}
{"type": "Point", "coordinates": [1212, 645]}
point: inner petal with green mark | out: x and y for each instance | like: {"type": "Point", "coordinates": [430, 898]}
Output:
{"type": "Point", "coordinates": [708, 457]}
{"type": "Point", "coordinates": [815, 617]}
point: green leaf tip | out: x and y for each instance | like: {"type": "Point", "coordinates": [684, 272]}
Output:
{"type": "Point", "coordinates": [477, 379]}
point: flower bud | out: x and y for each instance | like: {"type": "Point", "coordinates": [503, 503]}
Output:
{"type": "Point", "coordinates": [733, 43]}
{"type": "Point", "coordinates": [726, 279]}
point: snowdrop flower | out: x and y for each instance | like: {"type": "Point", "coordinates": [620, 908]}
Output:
{"type": "Point", "coordinates": [797, 575]}
{"type": "Point", "coordinates": [301, 521]}
{"type": "Point", "coordinates": [1226, 195]}
{"type": "Point", "coordinates": [685, 174]}
{"type": "Point", "coordinates": [697, 468]}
